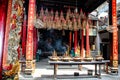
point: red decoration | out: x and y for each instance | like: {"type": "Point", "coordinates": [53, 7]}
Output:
{"type": "Point", "coordinates": [115, 34]}
{"type": "Point", "coordinates": [14, 16]}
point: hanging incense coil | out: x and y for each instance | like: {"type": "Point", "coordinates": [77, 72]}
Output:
{"type": "Point", "coordinates": [44, 22]}
{"type": "Point", "coordinates": [90, 23]}
{"type": "Point", "coordinates": [61, 20]}
{"type": "Point", "coordinates": [38, 23]}
{"type": "Point", "coordinates": [41, 13]}
{"type": "Point", "coordinates": [61, 16]}
{"type": "Point", "coordinates": [56, 20]}
{"type": "Point", "coordinates": [84, 23]}
{"type": "Point", "coordinates": [64, 25]}
{"type": "Point", "coordinates": [69, 22]}
{"type": "Point", "coordinates": [48, 23]}
{"type": "Point", "coordinates": [59, 27]}
{"type": "Point", "coordinates": [79, 23]}
{"type": "Point", "coordinates": [47, 18]}
{"type": "Point", "coordinates": [75, 24]}
{"type": "Point", "coordinates": [81, 14]}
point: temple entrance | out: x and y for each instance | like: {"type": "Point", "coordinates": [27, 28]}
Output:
{"type": "Point", "coordinates": [64, 37]}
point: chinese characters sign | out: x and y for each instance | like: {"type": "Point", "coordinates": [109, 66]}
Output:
{"type": "Point", "coordinates": [29, 48]}
{"type": "Point", "coordinates": [115, 34]}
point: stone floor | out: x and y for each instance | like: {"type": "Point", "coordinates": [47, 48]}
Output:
{"type": "Point", "coordinates": [44, 71]}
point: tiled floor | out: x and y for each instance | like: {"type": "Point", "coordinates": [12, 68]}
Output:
{"type": "Point", "coordinates": [44, 71]}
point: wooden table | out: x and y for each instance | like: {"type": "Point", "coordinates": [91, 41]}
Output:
{"type": "Point", "coordinates": [99, 63]}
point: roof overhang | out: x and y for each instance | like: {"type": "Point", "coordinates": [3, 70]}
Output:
{"type": "Point", "coordinates": [86, 5]}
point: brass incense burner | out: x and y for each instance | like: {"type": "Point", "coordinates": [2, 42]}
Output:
{"type": "Point", "coordinates": [99, 58]}
{"type": "Point", "coordinates": [77, 59]}
{"type": "Point", "coordinates": [89, 58]}
{"type": "Point", "coordinates": [54, 57]}
{"type": "Point", "coordinates": [66, 57]}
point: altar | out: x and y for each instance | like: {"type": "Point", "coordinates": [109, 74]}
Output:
{"type": "Point", "coordinates": [96, 63]}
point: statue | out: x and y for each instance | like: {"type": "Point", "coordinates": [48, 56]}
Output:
{"type": "Point", "coordinates": [13, 73]}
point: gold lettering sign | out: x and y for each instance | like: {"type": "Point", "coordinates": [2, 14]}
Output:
{"type": "Point", "coordinates": [29, 49]}
{"type": "Point", "coordinates": [115, 63]}
{"type": "Point", "coordinates": [115, 35]}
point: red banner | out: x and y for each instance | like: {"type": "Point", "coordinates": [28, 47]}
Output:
{"type": "Point", "coordinates": [115, 35]}
{"type": "Point", "coordinates": [7, 30]}
{"type": "Point", "coordinates": [29, 47]}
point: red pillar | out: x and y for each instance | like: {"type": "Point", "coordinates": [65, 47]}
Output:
{"type": "Point", "coordinates": [24, 36]}
{"type": "Point", "coordinates": [70, 40]}
{"type": "Point", "coordinates": [75, 41]}
{"type": "Point", "coordinates": [82, 43]}
{"type": "Point", "coordinates": [3, 13]}
{"type": "Point", "coordinates": [114, 59]}
{"type": "Point", "coordinates": [35, 41]}
{"type": "Point", "coordinates": [7, 30]}
{"type": "Point", "coordinates": [29, 44]}
{"type": "Point", "coordinates": [87, 41]}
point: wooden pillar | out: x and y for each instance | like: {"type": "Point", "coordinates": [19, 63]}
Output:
{"type": "Point", "coordinates": [7, 31]}
{"type": "Point", "coordinates": [87, 41]}
{"type": "Point", "coordinates": [114, 40]}
{"type": "Point", "coordinates": [3, 14]}
{"type": "Point", "coordinates": [29, 45]}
